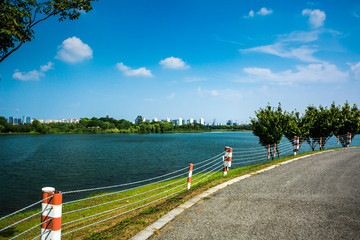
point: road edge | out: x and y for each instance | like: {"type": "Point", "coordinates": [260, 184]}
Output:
{"type": "Point", "coordinates": [161, 222]}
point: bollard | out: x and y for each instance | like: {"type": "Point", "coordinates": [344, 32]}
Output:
{"type": "Point", "coordinates": [274, 150]}
{"type": "Point", "coordinates": [228, 156]}
{"type": "Point", "coordinates": [338, 140]}
{"type": "Point", "coordinates": [295, 145]}
{"type": "Point", "coordinates": [190, 174]}
{"type": "Point", "coordinates": [348, 139]}
{"type": "Point", "coordinates": [51, 209]}
{"type": "Point", "coordinates": [225, 168]}
{"type": "Point", "coordinates": [268, 151]}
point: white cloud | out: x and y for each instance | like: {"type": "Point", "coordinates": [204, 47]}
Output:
{"type": "Point", "coordinates": [221, 93]}
{"type": "Point", "coordinates": [29, 76]}
{"type": "Point", "coordinates": [303, 53]}
{"type": "Point", "coordinates": [195, 79]}
{"type": "Point", "coordinates": [174, 63]}
{"type": "Point", "coordinates": [33, 75]}
{"type": "Point", "coordinates": [264, 11]}
{"type": "Point", "coordinates": [203, 92]}
{"type": "Point", "coordinates": [171, 96]}
{"type": "Point", "coordinates": [250, 15]}
{"type": "Point", "coordinates": [320, 72]}
{"type": "Point", "coordinates": [128, 71]}
{"type": "Point", "coordinates": [356, 70]}
{"type": "Point", "coordinates": [300, 36]}
{"type": "Point", "coordinates": [316, 17]}
{"type": "Point", "coordinates": [73, 50]}
{"type": "Point", "coordinates": [47, 67]}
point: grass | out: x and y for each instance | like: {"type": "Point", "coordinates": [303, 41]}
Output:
{"type": "Point", "coordinates": [127, 225]}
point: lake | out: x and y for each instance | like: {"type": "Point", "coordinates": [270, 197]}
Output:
{"type": "Point", "coordinates": [69, 162]}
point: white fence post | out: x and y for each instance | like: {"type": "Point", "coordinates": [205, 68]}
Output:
{"type": "Point", "coordinates": [51, 214]}
{"type": "Point", "coordinates": [348, 139]}
{"type": "Point", "coordinates": [189, 177]}
{"type": "Point", "coordinates": [228, 155]}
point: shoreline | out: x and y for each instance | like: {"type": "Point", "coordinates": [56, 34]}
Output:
{"type": "Point", "coordinates": [106, 132]}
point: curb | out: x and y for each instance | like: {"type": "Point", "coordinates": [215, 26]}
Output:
{"type": "Point", "coordinates": [157, 225]}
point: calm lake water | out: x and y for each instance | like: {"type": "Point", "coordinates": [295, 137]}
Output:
{"type": "Point", "coordinates": [69, 162]}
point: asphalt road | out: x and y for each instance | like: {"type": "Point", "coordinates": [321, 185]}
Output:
{"type": "Point", "coordinates": [313, 198]}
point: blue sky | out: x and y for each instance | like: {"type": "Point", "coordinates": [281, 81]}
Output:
{"type": "Point", "coordinates": [211, 59]}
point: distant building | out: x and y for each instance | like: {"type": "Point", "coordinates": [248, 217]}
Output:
{"type": "Point", "coordinates": [139, 119]}
{"type": "Point", "coordinates": [11, 120]}
{"type": "Point", "coordinates": [229, 122]}
{"type": "Point", "coordinates": [28, 120]}
{"type": "Point", "coordinates": [155, 119]}
{"type": "Point", "coordinates": [190, 121]}
{"type": "Point", "coordinates": [180, 121]}
{"type": "Point", "coordinates": [176, 122]}
{"type": "Point", "coordinates": [17, 121]}
{"type": "Point", "coordinates": [202, 121]}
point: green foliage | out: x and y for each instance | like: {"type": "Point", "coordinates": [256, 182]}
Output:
{"type": "Point", "coordinates": [108, 125]}
{"type": "Point", "coordinates": [295, 126]}
{"type": "Point", "coordinates": [18, 18]}
{"type": "Point", "coordinates": [315, 127]}
{"type": "Point", "coordinates": [347, 121]}
{"type": "Point", "coordinates": [269, 125]}
{"type": "Point", "coordinates": [321, 123]}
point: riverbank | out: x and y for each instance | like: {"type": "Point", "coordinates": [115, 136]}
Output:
{"type": "Point", "coordinates": [127, 132]}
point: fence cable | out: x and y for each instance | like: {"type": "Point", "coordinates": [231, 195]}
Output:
{"type": "Point", "coordinates": [124, 190]}
{"type": "Point", "coordinates": [117, 208]}
{"type": "Point", "coordinates": [20, 210]}
{"type": "Point", "coordinates": [31, 228]}
{"type": "Point", "coordinates": [124, 184]}
{"type": "Point", "coordinates": [117, 200]}
{"type": "Point", "coordinates": [122, 213]}
{"type": "Point", "coordinates": [209, 159]}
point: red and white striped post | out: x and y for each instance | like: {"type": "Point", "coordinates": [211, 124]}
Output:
{"type": "Point", "coordinates": [268, 151]}
{"type": "Point", "coordinates": [189, 177]}
{"type": "Point", "coordinates": [51, 214]}
{"type": "Point", "coordinates": [274, 150]}
{"type": "Point", "coordinates": [228, 156]}
{"type": "Point", "coordinates": [225, 168]}
{"type": "Point", "coordinates": [295, 145]}
{"type": "Point", "coordinates": [338, 139]}
{"type": "Point", "coordinates": [348, 139]}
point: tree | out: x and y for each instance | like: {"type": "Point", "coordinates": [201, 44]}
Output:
{"type": "Point", "coordinates": [18, 18]}
{"type": "Point", "coordinates": [39, 127]}
{"type": "Point", "coordinates": [269, 126]}
{"type": "Point", "coordinates": [320, 122]}
{"type": "Point", "coordinates": [295, 126]}
{"type": "Point", "coordinates": [348, 121]}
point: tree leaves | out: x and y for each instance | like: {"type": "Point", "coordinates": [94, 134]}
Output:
{"type": "Point", "coordinates": [18, 17]}
{"type": "Point", "coordinates": [316, 126]}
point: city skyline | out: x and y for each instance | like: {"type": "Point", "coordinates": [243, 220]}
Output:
{"type": "Point", "coordinates": [205, 59]}
{"type": "Point", "coordinates": [176, 121]}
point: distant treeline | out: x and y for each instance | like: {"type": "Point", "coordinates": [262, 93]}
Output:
{"type": "Point", "coordinates": [111, 125]}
